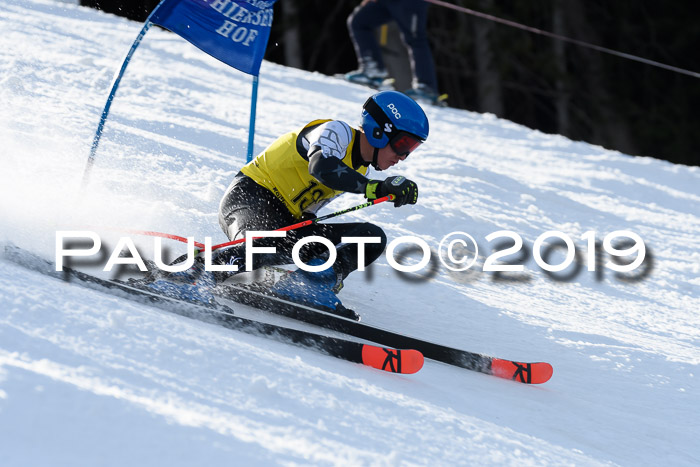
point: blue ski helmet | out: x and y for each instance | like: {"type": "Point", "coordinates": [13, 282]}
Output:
{"type": "Point", "coordinates": [389, 115]}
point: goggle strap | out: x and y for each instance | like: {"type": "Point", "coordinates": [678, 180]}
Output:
{"type": "Point", "coordinates": [376, 112]}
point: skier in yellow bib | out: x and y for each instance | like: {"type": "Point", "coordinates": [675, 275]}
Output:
{"type": "Point", "coordinates": [302, 171]}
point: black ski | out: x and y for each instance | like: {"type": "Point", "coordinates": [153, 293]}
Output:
{"type": "Point", "coordinates": [392, 360]}
{"type": "Point", "coordinates": [530, 373]}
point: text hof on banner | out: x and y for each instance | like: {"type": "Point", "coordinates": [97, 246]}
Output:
{"type": "Point", "coordinates": [233, 31]}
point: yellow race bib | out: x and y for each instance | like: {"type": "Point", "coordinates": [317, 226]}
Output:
{"type": "Point", "coordinates": [285, 172]}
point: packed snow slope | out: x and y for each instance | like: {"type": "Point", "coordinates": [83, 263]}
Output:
{"type": "Point", "coordinates": [90, 379]}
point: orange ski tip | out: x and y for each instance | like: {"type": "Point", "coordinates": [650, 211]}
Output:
{"type": "Point", "coordinates": [529, 373]}
{"type": "Point", "coordinates": [413, 361]}
{"type": "Point", "coordinates": [392, 360]}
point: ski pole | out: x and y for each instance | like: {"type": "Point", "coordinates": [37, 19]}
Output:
{"type": "Point", "coordinates": [312, 221]}
{"type": "Point", "coordinates": [298, 225]}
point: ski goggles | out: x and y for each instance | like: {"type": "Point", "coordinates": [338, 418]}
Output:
{"type": "Point", "coordinates": [404, 143]}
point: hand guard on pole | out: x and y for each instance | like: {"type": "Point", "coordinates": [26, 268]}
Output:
{"type": "Point", "coordinates": [405, 191]}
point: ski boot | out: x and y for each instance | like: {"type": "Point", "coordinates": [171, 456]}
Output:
{"type": "Point", "coordinates": [314, 289]}
{"type": "Point", "coordinates": [194, 284]}
{"type": "Point", "coordinates": [369, 74]}
{"type": "Point", "coordinates": [423, 94]}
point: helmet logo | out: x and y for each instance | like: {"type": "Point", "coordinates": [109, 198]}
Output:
{"type": "Point", "coordinates": [388, 127]}
{"type": "Point", "coordinates": [394, 110]}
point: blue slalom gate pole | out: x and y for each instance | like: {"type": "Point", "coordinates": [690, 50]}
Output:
{"type": "Point", "coordinates": [251, 126]}
{"type": "Point", "coordinates": [196, 21]}
{"type": "Point", "coordinates": [110, 98]}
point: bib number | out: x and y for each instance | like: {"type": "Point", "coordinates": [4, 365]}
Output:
{"type": "Point", "coordinates": [308, 195]}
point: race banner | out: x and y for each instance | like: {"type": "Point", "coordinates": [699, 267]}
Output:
{"type": "Point", "coordinates": [233, 31]}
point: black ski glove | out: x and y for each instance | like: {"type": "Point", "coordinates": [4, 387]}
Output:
{"type": "Point", "coordinates": [404, 190]}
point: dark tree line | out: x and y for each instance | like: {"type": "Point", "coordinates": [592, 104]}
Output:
{"type": "Point", "coordinates": [534, 80]}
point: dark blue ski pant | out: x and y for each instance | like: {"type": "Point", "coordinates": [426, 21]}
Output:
{"type": "Point", "coordinates": [411, 18]}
